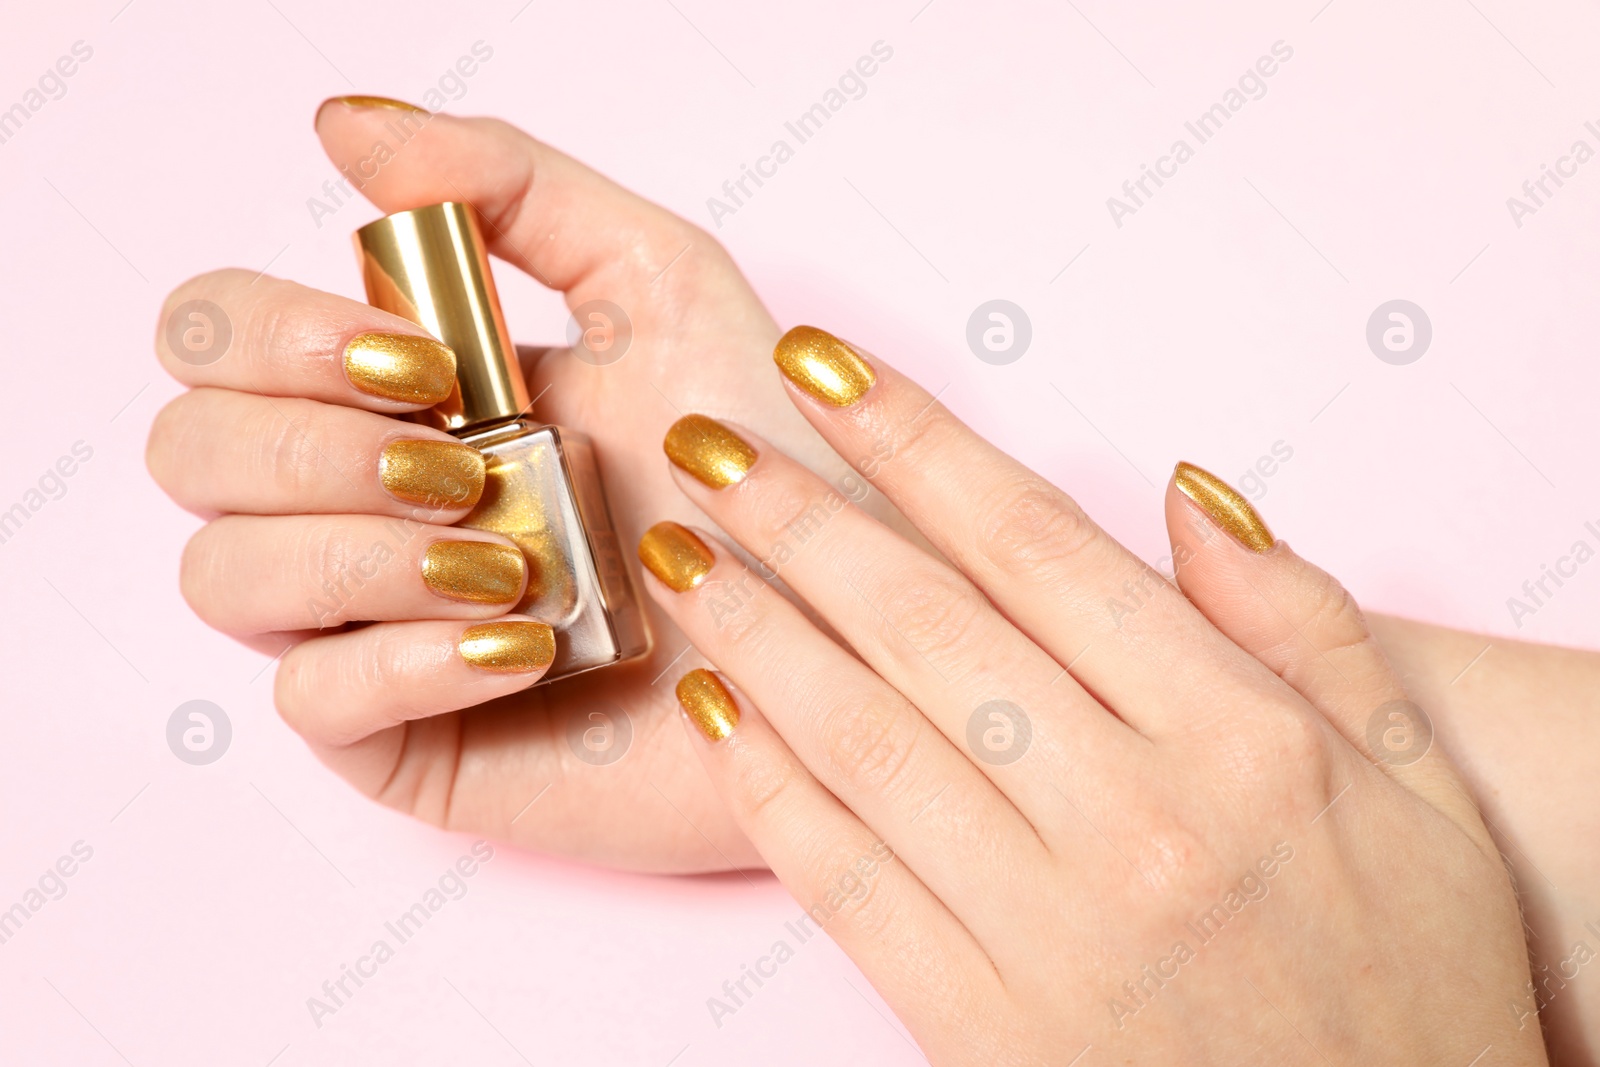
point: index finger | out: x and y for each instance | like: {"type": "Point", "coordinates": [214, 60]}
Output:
{"type": "Point", "coordinates": [257, 334]}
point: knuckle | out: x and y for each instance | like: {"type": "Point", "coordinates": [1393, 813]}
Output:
{"type": "Point", "coordinates": [790, 517]}
{"type": "Point", "coordinates": [1331, 613]}
{"type": "Point", "coordinates": [930, 432]}
{"type": "Point", "coordinates": [327, 558]}
{"type": "Point", "coordinates": [271, 330]}
{"type": "Point", "coordinates": [1286, 747]}
{"type": "Point", "coordinates": [936, 613]}
{"type": "Point", "coordinates": [765, 790]}
{"type": "Point", "coordinates": [166, 443]}
{"type": "Point", "coordinates": [292, 690]}
{"type": "Point", "coordinates": [382, 665]}
{"type": "Point", "coordinates": [289, 456]}
{"type": "Point", "coordinates": [737, 611]}
{"type": "Point", "coordinates": [204, 572]}
{"type": "Point", "coordinates": [209, 283]}
{"type": "Point", "coordinates": [870, 744]}
{"type": "Point", "coordinates": [867, 908]}
{"type": "Point", "coordinates": [1302, 741]}
{"type": "Point", "coordinates": [1028, 526]}
{"type": "Point", "coordinates": [195, 568]}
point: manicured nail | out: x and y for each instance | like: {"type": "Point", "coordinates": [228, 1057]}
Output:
{"type": "Point", "coordinates": [705, 448]}
{"type": "Point", "coordinates": [708, 703]}
{"type": "Point", "coordinates": [1226, 507]}
{"type": "Point", "coordinates": [510, 647]}
{"type": "Point", "coordinates": [477, 572]}
{"type": "Point", "coordinates": [392, 104]}
{"type": "Point", "coordinates": [400, 366]}
{"type": "Point", "coordinates": [434, 474]}
{"type": "Point", "coordinates": [676, 556]}
{"type": "Point", "coordinates": [823, 366]}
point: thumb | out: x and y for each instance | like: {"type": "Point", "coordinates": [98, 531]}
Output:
{"type": "Point", "coordinates": [568, 226]}
{"type": "Point", "coordinates": [1305, 627]}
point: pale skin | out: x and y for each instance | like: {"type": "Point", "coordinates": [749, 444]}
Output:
{"type": "Point", "coordinates": [288, 482]}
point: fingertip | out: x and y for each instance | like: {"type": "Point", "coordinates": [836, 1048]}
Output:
{"type": "Point", "coordinates": [708, 705]}
{"type": "Point", "coordinates": [676, 556]}
{"type": "Point", "coordinates": [824, 367]}
{"type": "Point", "coordinates": [512, 645]}
{"type": "Point", "coordinates": [361, 102]}
{"type": "Point", "coordinates": [1224, 506]}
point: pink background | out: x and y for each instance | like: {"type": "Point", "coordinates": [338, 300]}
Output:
{"type": "Point", "coordinates": [1225, 316]}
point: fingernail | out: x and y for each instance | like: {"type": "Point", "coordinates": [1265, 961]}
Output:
{"type": "Point", "coordinates": [400, 366]}
{"type": "Point", "coordinates": [705, 448]}
{"type": "Point", "coordinates": [709, 704]}
{"type": "Point", "coordinates": [1226, 507]}
{"type": "Point", "coordinates": [357, 100]}
{"type": "Point", "coordinates": [434, 474]}
{"type": "Point", "coordinates": [676, 556]}
{"type": "Point", "coordinates": [823, 366]}
{"type": "Point", "coordinates": [476, 572]}
{"type": "Point", "coordinates": [511, 647]}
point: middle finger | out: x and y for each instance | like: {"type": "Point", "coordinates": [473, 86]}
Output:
{"type": "Point", "coordinates": [926, 630]}
{"type": "Point", "coordinates": [218, 451]}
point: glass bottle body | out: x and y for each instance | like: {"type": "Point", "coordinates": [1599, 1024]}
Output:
{"type": "Point", "coordinates": [543, 491]}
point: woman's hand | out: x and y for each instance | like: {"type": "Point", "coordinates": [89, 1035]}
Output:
{"type": "Point", "coordinates": [1054, 813]}
{"type": "Point", "coordinates": [283, 442]}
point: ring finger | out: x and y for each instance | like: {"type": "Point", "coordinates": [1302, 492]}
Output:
{"type": "Point", "coordinates": [249, 574]}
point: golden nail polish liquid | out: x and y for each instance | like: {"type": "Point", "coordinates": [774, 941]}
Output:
{"type": "Point", "coordinates": [543, 488]}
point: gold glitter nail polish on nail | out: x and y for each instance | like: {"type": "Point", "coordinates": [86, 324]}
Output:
{"type": "Point", "coordinates": [508, 647]}
{"type": "Point", "coordinates": [1227, 508]}
{"type": "Point", "coordinates": [476, 572]}
{"type": "Point", "coordinates": [714, 454]}
{"type": "Point", "coordinates": [709, 704]}
{"type": "Point", "coordinates": [398, 366]}
{"type": "Point", "coordinates": [676, 556]}
{"type": "Point", "coordinates": [357, 100]}
{"type": "Point", "coordinates": [433, 474]}
{"type": "Point", "coordinates": [823, 366]}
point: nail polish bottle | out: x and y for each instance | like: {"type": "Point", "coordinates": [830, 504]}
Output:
{"type": "Point", "coordinates": [543, 488]}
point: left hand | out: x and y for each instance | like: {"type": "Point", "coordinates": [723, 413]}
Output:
{"type": "Point", "coordinates": [1043, 801]}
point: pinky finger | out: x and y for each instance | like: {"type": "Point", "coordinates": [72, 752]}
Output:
{"type": "Point", "coordinates": [339, 689]}
{"type": "Point", "coordinates": [918, 955]}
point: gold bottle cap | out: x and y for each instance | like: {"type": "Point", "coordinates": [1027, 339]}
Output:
{"type": "Point", "coordinates": [429, 265]}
